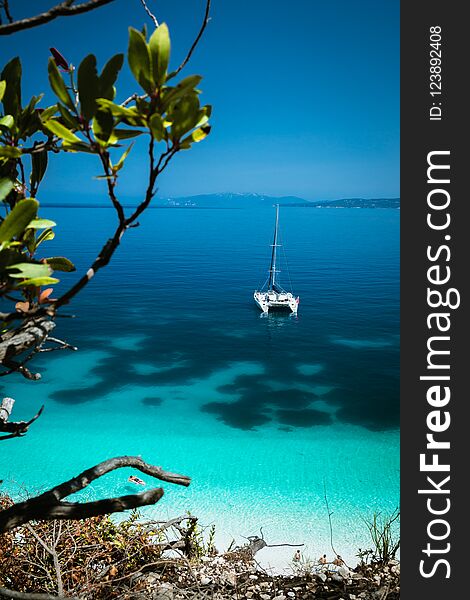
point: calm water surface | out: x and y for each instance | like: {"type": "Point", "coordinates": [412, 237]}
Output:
{"type": "Point", "coordinates": [177, 364]}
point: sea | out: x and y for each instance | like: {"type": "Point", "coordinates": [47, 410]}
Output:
{"type": "Point", "coordinates": [282, 422]}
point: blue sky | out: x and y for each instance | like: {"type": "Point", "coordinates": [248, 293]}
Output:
{"type": "Point", "coordinates": [305, 95]}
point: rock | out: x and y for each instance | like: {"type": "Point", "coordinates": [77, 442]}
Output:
{"type": "Point", "coordinates": [205, 580]}
{"type": "Point", "coordinates": [163, 592]}
{"type": "Point", "coordinates": [230, 578]}
{"type": "Point", "coordinates": [253, 577]}
{"type": "Point", "coordinates": [265, 597]}
{"type": "Point", "coordinates": [321, 576]}
{"type": "Point", "coordinates": [344, 572]}
{"type": "Point", "coordinates": [280, 597]}
{"type": "Point", "coordinates": [291, 594]}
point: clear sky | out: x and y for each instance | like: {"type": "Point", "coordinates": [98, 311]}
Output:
{"type": "Point", "coordinates": [305, 95]}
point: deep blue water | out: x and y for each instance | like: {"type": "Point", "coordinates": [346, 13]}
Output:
{"type": "Point", "coordinates": [171, 346]}
{"type": "Point", "coordinates": [198, 268]}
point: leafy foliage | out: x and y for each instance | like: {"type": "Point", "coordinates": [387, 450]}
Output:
{"type": "Point", "coordinates": [86, 118]}
{"type": "Point", "coordinates": [385, 536]}
{"type": "Point", "coordinates": [92, 554]}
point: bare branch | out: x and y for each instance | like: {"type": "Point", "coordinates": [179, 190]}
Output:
{"type": "Point", "coordinates": [6, 8]}
{"type": "Point", "coordinates": [14, 428]}
{"type": "Point", "coordinates": [150, 14]}
{"type": "Point", "coordinates": [49, 505]}
{"type": "Point", "coordinates": [196, 41]}
{"type": "Point", "coordinates": [64, 9]}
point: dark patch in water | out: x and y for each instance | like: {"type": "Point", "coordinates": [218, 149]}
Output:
{"type": "Point", "coordinates": [366, 384]}
{"type": "Point", "coordinates": [152, 401]}
{"type": "Point", "coordinates": [237, 414]}
{"type": "Point", "coordinates": [308, 417]}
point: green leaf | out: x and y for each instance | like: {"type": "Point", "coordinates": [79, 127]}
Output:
{"type": "Point", "coordinates": [3, 85]}
{"type": "Point", "coordinates": [120, 163]}
{"type": "Point", "coordinates": [60, 263]}
{"type": "Point", "coordinates": [156, 127]}
{"type": "Point", "coordinates": [102, 126]}
{"type": "Point", "coordinates": [77, 147]}
{"type": "Point", "coordinates": [17, 220]}
{"type": "Point", "coordinates": [11, 74]}
{"type": "Point", "coordinates": [9, 257]}
{"type": "Point", "coordinates": [29, 238]}
{"type": "Point", "coordinates": [27, 270]}
{"type": "Point", "coordinates": [38, 167]}
{"type": "Point", "coordinates": [7, 121]}
{"type": "Point", "coordinates": [204, 115]}
{"type": "Point", "coordinates": [138, 55]}
{"type": "Point", "coordinates": [41, 224]}
{"type": "Point", "coordinates": [61, 131]}
{"type": "Point", "coordinates": [116, 109]}
{"type": "Point", "coordinates": [9, 152]}
{"type": "Point", "coordinates": [197, 135]}
{"type": "Point", "coordinates": [109, 76]}
{"type": "Point", "coordinates": [45, 236]}
{"type": "Point", "coordinates": [39, 281]}
{"type": "Point", "coordinates": [57, 84]}
{"type": "Point", "coordinates": [6, 185]}
{"type": "Point", "coordinates": [49, 112]}
{"type": "Point", "coordinates": [171, 94]}
{"type": "Point", "coordinates": [68, 118]}
{"type": "Point", "coordinates": [88, 86]}
{"type": "Point", "coordinates": [123, 134]}
{"type": "Point", "coordinates": [185, 115]}
{"type": "Point", "coordinates": [159, 45]}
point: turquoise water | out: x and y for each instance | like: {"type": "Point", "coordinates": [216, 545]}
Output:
{"type": "Point", "coordinates": [176, 364]}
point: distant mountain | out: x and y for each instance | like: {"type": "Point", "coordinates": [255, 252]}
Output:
{"type": "Point", "coordinates": [258, 200]}
{"type": "Point", "coordinates": [241, 201]}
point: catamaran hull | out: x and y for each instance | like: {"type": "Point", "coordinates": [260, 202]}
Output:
{"type": "Point", "coordinates": [267, 303]}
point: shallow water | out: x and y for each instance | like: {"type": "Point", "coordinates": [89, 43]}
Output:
{"type": "Point", "coordinates": [176, 364]}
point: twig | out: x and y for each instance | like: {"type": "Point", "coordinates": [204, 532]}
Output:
{"type": "Point", "coordinates": [329, 519]}
{"type": "Point", "coordinates": [205, 21]}
{"type": "Point", "coordinates": [64, 9]}
{"type": "Point", "coordinates": [150, 14]}
{"type": "Point", "coordinates": [6, 8]}
{"type": "Point", "coordinates": [25, 596]}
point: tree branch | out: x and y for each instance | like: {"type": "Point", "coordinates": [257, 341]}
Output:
{"type": "Point", "coordinates": [205, 21]}
{"type": "Point", "coordinates": [150, 14]}
{"type": "Point", "coordinates": [49, 505]}
{"type": "Point", "coordinates": [64, 9]}
{"type": "Point", "coordinates": [14, 428]}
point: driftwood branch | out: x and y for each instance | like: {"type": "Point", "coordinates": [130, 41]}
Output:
{"type": "Point", "coordinates": [64, 9]}
{"type": "Point", "coordinates": [32, 333]}
{"type": "Point", "coordinates": [257, 543]}
{"type": "Point", "coordinates": [49, 505]}
{"type": "Point", "coordinates": [13, 428]}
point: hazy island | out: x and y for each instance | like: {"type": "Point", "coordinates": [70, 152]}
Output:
{"type": "Point", "coordinates": [259, 200]}
{"type": "Point", "coordinates": [229, 200]}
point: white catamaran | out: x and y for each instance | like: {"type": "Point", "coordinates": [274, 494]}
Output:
{"type": "Point", "coordinates": [272, 296]}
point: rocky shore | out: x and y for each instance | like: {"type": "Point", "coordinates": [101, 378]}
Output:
{"type": "Point", "coordinates": [234, 576]}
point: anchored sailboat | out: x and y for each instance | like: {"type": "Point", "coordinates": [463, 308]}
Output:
{"type": "Point", "coordinates": [272, 296]}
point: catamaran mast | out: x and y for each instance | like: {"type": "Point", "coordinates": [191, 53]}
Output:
{"type": "Point", "coordinates": [272, 269]}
